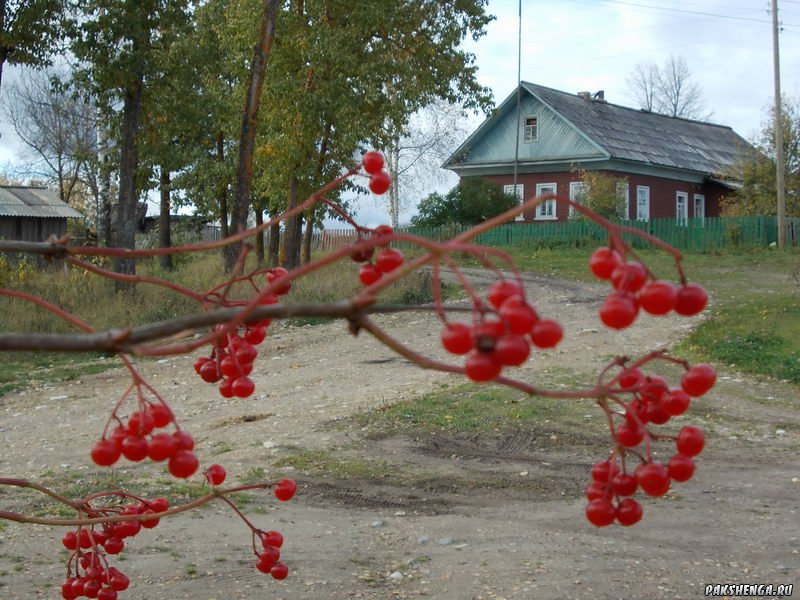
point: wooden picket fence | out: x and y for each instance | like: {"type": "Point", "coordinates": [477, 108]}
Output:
{"type": "Point", "coordinates": [699, 235]}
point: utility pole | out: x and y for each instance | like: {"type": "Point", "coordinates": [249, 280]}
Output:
{"type": "Point", "coordinates": [779, 160]}
{"type": "Point", "coordinates": [519, 96]}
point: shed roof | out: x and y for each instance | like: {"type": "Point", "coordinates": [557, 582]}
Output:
{"type": "Point", "coordinates": [28, 201]}
{"type": "Point", "coordinates": [648, 137]}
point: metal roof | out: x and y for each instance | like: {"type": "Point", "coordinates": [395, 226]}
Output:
{"type": "Point", "coordinates": [24, 201]}
{"type": "Point", "coordinates": [647, 137]}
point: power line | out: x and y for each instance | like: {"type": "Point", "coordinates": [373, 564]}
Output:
{"type": "Point", "coordinates": [692, 12]}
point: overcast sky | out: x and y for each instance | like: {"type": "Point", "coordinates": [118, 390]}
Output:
{"type": "Point", "coordinates": [575, 45]}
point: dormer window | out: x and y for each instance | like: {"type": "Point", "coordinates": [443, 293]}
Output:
{"type": "Point", "coordinates": [531, 130]}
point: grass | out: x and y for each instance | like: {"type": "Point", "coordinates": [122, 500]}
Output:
{"type": "Point", "coordinates": [336, 463]}
{"type": "Point", "coordinates": [19, 369]}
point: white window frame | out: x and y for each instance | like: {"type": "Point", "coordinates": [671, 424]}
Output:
{"type": "Point", "coordinates": [623, 200]}
{"type": "Point", "coordinates": [530, 132]}
{"type": "Point", "coordinates": [520, 194]}
{"type": "Point", "coordinates": [682, 208]}
{"type": "Point", "coordinates": [700, 202]}
{"type": "Point", "coordinates": [578, 191]}
{"type": "Point", "coordinates": [546, 211]}
{"type": "Point", "coordinates": [642, 202]}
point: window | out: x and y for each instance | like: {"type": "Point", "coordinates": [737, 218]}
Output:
{"type": "Point", "coordinates": [681, 208]}
{"type": "Point", "coordinates": [547, 209]}
{"type": "Point", "coordinates": [519, 192]}
{"type": "Point", "coordinates": [531, 130]}
{"type": "Point", "coordinates": [700, 207]}
{"type": "Point", "coordinates": [578, 192]}
{"type": "Point", "coordinates": [623, 191]}
{"type": "Point", "coordinates": [642, 203]}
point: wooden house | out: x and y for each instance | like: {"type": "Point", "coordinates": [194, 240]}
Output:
{"type": "Point", "coordinates": [668, 167]}
{"type": "Point", "coordinates": [33, 214]}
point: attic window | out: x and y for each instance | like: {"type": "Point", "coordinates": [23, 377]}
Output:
{"type": "Point", "coordinates": [531, 130]}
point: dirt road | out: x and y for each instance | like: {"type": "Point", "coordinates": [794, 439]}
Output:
{"type": "Point", "coordinates": [489, 516]}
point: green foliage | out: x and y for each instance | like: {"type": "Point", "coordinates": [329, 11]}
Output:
{"type": "Point", "coordinates": [472, 201]}
{"type": "Point", "coordinates": [601, 193]}
{"type": "Point", "coordinates": [758, 195]}
{"type": "Point", "coordinates": [28, 31]}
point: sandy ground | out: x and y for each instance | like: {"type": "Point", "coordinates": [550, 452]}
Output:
{"type": "Point", "coordinates": [502, 516]}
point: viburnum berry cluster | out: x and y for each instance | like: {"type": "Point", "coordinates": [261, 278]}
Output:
{"type": "Point", "coordinates": [501, 334]}
{"type": "Point", "coordinates": [502, 329]}
{"type": "Point", "coordinates": [234, 352]}
{"type": "Point", "coordinates": [634, 288]}
{"type": "Point", "coordinates": [652, 402]}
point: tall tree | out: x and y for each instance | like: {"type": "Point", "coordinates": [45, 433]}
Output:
{"type": "Point", "coordinates": [28, 31]}
{"type": "Point", "coordinates": [668, 90]}
{"type": "Point", "coordinates": [117, 41]}
{"type": "Point", "coordinates": [57, 125]}
{"type": "Point", "coordinates": [759, 192]}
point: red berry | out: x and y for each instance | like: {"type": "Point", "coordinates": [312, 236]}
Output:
{"type": "Point", "coordinates": [279, 571]}
{"type": "Point", "coordinates": [690, 441]}
{"type": "Point", "coordinates": [698, 380]}
{"type": "Point", "coordinates": [255, 335]}
{"type": "Point", "coordinates": [140, 423]}
{"type": "Point", "coordinates": [209, 372]}
{"type": "Point", "coordinates": [380, 182]}
{"type": "Point", "coordinates": [215, 474]}
{"type": "Point", "coordinates": [691, 300]}
{"type": "Point", "coordinates": [628, 512]}
{"type": "Point", "coordinates": [275, 274]}
{"type": "Point", "coordinates": [546, 334]}
{"type": "Point", "coordinates": [383, 231]}
{"type": "Point", "coordinates": [198, 364]}
{"type": "Point", "coordinates": [242, 387]}
{"type": "Point", "coordinates": [134, 448]}
{"type": "Point", "coordinates": [70, 540]}
{"type": "Point", "coordinates": [105, 453]}
{"type": "Point", "coordinates": [600, 513]}
{"type": "Point", "coordinates": [149, 523]}
{"type": "Point", "coordinates": [162, 415]}
{"type": "Point", "coordinates": [373, 162]}
{"type": "Point", "coordinates": [511, 350]}
{"type": "Point", "coordinates": [272, 538]}
{"type": "Point", "coordinates": [362, 255]}
{"type": "Point", "coordinates": [388, 260]}
{"type": "Point", "coordinates": [67, 592]}
{"type": "Point", "coordinates": [481, 366]}
{"type": "Point", "coordinates": [369, 274]}
{"type": "Point", "coordinates": [630, 378]}
{"type": "Point", "coordinates": [604, 471]}
{"type": "Point", "coordinates": [597, 490]}
{"type": "Point", "coordinates": [604, 261]}
{"type": "Point", "coordinates": [268, 558]}
{"type": "Point", "coordinates": [285, 490]}
{"type": "Point", "coordinates": [183, 464]}
{"type": "Point", "coordinates": [159, 505]}
{"type": "Point", "coordinates": [653, 388]}
{"type": "Point", "coordinates": [107, 593]}
{"type": "Point", "coordinates": [658, 297]}
{"type": "Point", "coordinates": [114, 545]}
{"type": "Point", "coordinates": [457, 338]}
{"type": "Point", "coordinates": [518, 315]}
{"type": "Point", "coordinates": [229, 367]}
{"type": "Point", "coordinates": [91, 588]}
{"type": "Point", "coordinates": [656, 414]}
{"type": "Point", "coordinates": [118, 581]}
{"type": "Point", "coordinates": [629, 277]}
{"type": "Point", "coordinates": [624, 484]}
{"type": "Point", "coordinates": [619, 311]}
{"type": "Point", "coordinates": [653, 478]}
{"type": "Point", "coordinates": [500, 290]}
{"type": "Point", "coordinates": [161, 447]}
{"type": "Point", "coordinates": [675, 402]}
{"type": "Point", "coordinates": [629, 435]}
{"type": "Point", "coordinates": [185, 441]}
{"type": "Point", "coordinates": [226, 388]}
{"type": "Point", "coordinates": [681, 467]}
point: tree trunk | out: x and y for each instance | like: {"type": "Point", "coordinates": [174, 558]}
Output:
{"type": "Point", "coordinates": [222, 191]}
{"type": "Point", "coordinates": [129, 161]}
{"type": "Point", "coordinates": [274, 244]}
{"type": "Point", "coordinates": [164, 239]}
{"type": "Point", "coordinates": [290, 246]}
{"type": "Point", "coordinates": [244, 170]}
{"type": "Point", "coordinates": [393, 160]}
{"type": "Point", "coordinates": [308, 236]}
{"type": "Point", "coordinates": [104, 184]}
{"type": "Point", "coordinates": [259, 238]}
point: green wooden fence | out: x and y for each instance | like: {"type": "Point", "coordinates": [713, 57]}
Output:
{"type": "Point", "coordinates": [699, 235]}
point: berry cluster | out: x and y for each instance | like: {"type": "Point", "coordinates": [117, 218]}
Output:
{"type": "Point", "coordinates": [380, 181]}
{"type": "Point", "coordinates": [653, 403]}
{"type": "Point", "coordinates": [88, 572]}
{"type": "Point", "coordinates": [501, 336]}
{"type": "Point", "coordinates": [233, 354]}
{"type": "Point", "coordinates": [268, 559]}
{"type": "Point", "coordinates": [635, 288]}
{"type": "Point", "coordinates": [136, 440]}
{"type": "Point", "coordinates": [386, 261]}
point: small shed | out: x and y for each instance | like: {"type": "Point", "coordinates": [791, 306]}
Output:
{"type": "Point", "coordinates": [32, 214]}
